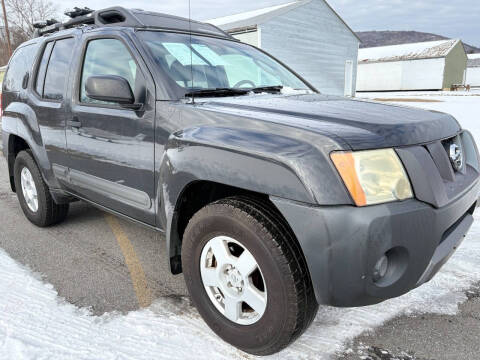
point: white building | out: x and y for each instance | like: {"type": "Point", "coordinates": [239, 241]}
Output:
{"type": "Point", "coordinates": [473, 70]}
{"type": "Point", "coordinates": [308, 36]}
{"type": "Point", "coordinates": [433, 65]}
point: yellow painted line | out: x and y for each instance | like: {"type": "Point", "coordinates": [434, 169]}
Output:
{"type": "Point", "coordinates": [139, 280]}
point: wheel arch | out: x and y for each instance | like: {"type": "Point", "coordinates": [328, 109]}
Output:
{"type": "Point", "coordinates": [194, 197]}
{"type": "Point", "coordinates": [21, 131]}
{"type": "Point", "coordinates": [197, 174]}
{"type": "Point", "coordinates": [15, 145]}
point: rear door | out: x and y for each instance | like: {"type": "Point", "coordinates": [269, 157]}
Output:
{"type": "Point", "coordinates": [48, 98]}
{"type": "Point", "coordinates": [111, 148]}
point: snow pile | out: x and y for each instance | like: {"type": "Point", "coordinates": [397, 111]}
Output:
{"type": "Point", "coordinates": [35, 323]}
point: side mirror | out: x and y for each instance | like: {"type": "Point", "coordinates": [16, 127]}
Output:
{"type": "Point", "coordinates": [111, 88]}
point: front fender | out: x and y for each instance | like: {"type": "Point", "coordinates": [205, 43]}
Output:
{"type": "Point", "coordinates": [281, 166]}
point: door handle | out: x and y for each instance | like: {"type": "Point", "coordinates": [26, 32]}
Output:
{"type": "Point", "coordinates": [75, 123]}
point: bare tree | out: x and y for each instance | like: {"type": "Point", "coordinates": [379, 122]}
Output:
{"type": "Point", "coordinates": [22, 14]}
{"type": "Point", "coordinates": [16, 37]}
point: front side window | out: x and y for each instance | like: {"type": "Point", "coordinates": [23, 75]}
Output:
{"type": "Point", "coordinates": [58, 69]}
{"type": "Point", "coordinates": [107, 57]}
{"type": "Point", "coordinates": [19, 66]}
{"type": "Point", "coordinates": [199, 62]}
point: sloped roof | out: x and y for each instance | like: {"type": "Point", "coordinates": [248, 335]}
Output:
{"type": "Point", "coordinates": [256, 17]}
{"type": "Point", "coordinates": [413, 51]}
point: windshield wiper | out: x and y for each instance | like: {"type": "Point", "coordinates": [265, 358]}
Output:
{"type": "Point", "coordinates": [218, 92]}
{"type": "Point", "coordinates": [275, 88]}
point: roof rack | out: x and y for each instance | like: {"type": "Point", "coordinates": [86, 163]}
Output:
{"type": "Point", "coordinates": [77, 16]}
{"type": "Point", "coordinates": [119, 16]}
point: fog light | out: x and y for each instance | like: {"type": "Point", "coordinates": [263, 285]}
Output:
{"type": "Point", "coordinates": [380, 269]}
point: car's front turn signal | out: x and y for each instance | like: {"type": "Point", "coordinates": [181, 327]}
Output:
{"type": "Point", "coordinates": [373, 176]}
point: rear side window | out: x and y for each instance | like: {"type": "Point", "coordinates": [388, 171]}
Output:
{"type": "Point", "coordinates": [58, 69]}
{"type": "Point", "coordinates": [107, 57]}
{"type": "Point", "coordinates": [42, 69]}
{"type": "Point", "coordinates": [19, 66]}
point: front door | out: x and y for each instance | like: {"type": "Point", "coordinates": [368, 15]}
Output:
{"type": "Point", "coordinates": [111, 148]}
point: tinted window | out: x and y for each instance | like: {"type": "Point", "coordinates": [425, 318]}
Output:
{"type": "Point", "coordinates": [58, 68]}
{"type": "Point", "coordinates": [107, 57]}
{"type": "Point", "coordinates": [20, 64]}
{"type": "Point", "coordinates": [42, 68]}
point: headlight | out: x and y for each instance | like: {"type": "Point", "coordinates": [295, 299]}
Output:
{"type": "Point", "coordinates": [373, 176]}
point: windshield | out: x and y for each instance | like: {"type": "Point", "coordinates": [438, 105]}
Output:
{"type": "Point", "coordinates": [210, 63]}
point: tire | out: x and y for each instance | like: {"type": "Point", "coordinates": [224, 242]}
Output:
{"type": "Point", "coordinates": [287, 289]}
{"type": "Point", "coordinates": [47, 212]}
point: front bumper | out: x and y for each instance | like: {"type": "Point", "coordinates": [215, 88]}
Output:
{"type": "Point", "coordinates": [342, 244]}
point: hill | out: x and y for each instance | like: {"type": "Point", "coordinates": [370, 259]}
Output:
{"type": "Point", "coordinates": [383, 38]}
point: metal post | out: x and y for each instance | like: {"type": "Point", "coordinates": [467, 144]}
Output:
{"type": "Point", "coordinates": [7, 32]}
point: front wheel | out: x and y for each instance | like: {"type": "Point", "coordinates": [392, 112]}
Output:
{"type": "Point", "coordinates": [247, 276]}
{"type": "Point", "coordinates": [33, 193]}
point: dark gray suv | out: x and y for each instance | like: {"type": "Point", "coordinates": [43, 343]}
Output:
{"type": "Point", "coordinates": [273, 198]}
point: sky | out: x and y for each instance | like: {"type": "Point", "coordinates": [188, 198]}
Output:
{"type": "Point", "coordinates": [452, 18]}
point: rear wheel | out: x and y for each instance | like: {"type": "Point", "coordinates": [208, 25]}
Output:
{"type": "Point", "coordinates": [247, 276]}
{"type": "Point", "coordinates": [33, 193]}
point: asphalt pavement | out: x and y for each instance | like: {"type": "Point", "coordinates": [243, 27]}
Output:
{"type": "Point", "coordinates": [423, 336]}
{"type": "Point", "coordinates": [84, 258]}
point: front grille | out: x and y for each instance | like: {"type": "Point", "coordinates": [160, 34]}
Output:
{"type": "Point", "coordinates": [455, 153]}
{"type": "Point", "coordinates": [431, 173]}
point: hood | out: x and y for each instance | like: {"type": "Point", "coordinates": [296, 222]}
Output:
{"type": "Point", "coordinates": [361, 124]}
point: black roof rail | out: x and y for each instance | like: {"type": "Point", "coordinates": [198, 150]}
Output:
{"type": "Point", "coordinates": [136, 18]}
{"type": "Point", "coordinates": [76, 12]}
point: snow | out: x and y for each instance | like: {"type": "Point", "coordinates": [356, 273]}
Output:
{"type": "Point", "coordinates": [422, 50]}
{"type": "Point", "coordinates": [473, 56]}
{"type": "Point", "coordinates": [36, 324]}
{"type": "Point", "coordinates": [251, 16]}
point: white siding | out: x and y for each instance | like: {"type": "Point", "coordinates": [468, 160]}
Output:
{"type": "Point", "coordinates": [473, 76]}
{"type": "Point", "coordinates": [424, 74]}
{"type": "Point", "coordinates": [313, 41]}
{"type": "Point", "coordinates": [248, 37]}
